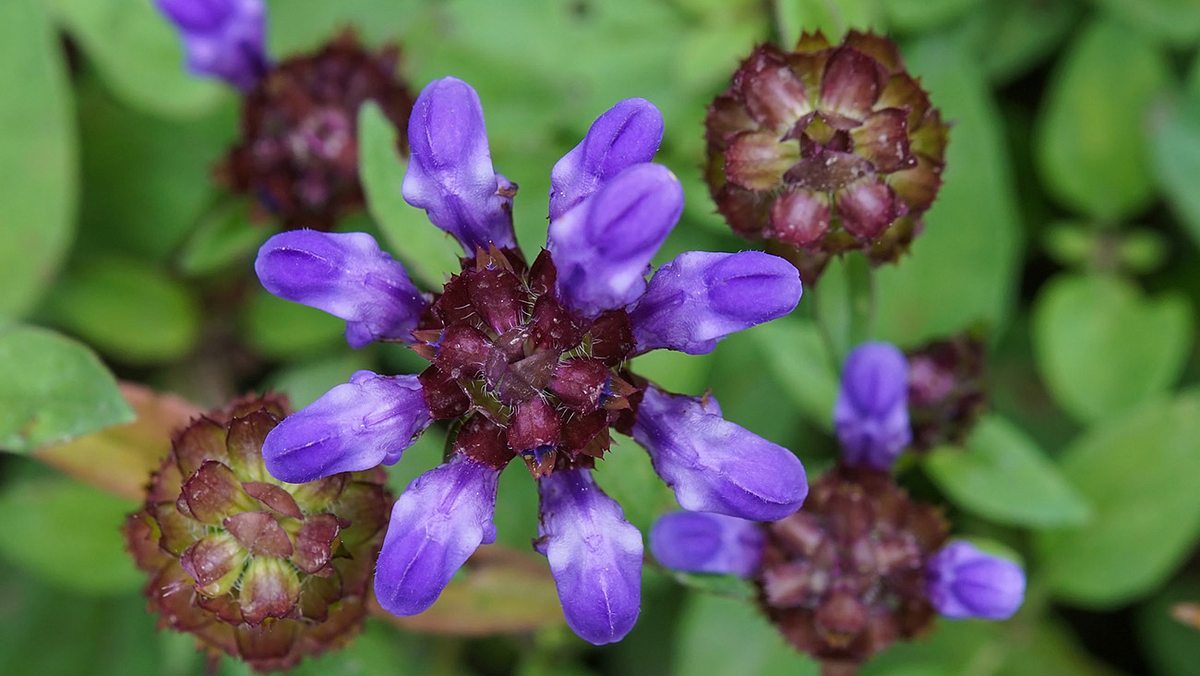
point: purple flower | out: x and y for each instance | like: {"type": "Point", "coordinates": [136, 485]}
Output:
{"type": "Point", "coordinates": [629, 133]}
{"type": "Point", "coordinates": [603, 246]}
{"type": "Point", "coordinates": [714, 465]}
{"type": "Point", "coordinates": [438, 522]}
{"type": "Point", "coordinates": [450, 172]}
{"type": "Point", "coordinates": [346, 275]}
{"type": "Point", "coordinates": [223, 38]}
{"type": "Point", "coordinates": [359, 425]}
{"type": "Point", "coordinates": [871, 413]}
{"type": "Point", "coordinates": [594, 553]}
{"type": "Point", "coordinates": [701, 297]}
{"type": "Point", "coordinates": [530, 361]}
{"type": "Point", "coordinates": [964, 582]}
{"type": "Point", "coordinates": [699, 542]}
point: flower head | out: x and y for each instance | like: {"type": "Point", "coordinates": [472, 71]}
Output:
{"type": "Point", "coordinates": [825, 149]}
{"type": "Point", "coordinates": [259, 569]}
{"type": "Point", "coordinates": [298, 151]}
{"type": "Point", "coordinates": [871, 412]}
{"type": "Point", "coordinates": [223, 38]}
{"type": "Point", "coordinates": [531, 361]}
{"type": "Point", "coordinates": [946, 389]}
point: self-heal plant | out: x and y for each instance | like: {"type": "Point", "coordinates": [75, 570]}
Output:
{"type": "Point", "coordinates": [861, 564]}
{"type": "Point", "coordinates": [532, 360]}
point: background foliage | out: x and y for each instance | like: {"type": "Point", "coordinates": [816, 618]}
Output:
{"type": "Point", "coordinates": [1068, 227]}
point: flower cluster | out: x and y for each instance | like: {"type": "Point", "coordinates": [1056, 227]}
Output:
{"type": "Point", "coordinates": [298, 152]}
{"type": "Point", "coordinates": [251, 566]}
{"type": "Point", "coordinates": [532, 360]}
{"type": "Point", "coordinates": [861, 564]}
{"type": "Point", "coordinates": [825, 149]}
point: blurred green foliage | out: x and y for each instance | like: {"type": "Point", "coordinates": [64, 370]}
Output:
{"type": "Point", "coordinates": [1068, 227]}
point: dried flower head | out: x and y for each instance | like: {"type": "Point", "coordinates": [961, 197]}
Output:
{"type": "Point", "coordinates": [825, 149]}
{"type": "Point", "coordinates": [262, 570]}
{"type": "Point", "coordinates": [531, 361]}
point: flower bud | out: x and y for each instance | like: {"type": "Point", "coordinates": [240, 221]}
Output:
{"type": "Point", "coordinates": [871, 412]}
{"type": "Point", "coordinates": [964, 582]}
{"type": "Point", "coordinates": [825, 149]}
{"type": "Point", "coordinates": [261, 570]}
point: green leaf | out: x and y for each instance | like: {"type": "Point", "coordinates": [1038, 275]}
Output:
{"type": "Point", "coordinates": [721, 636]}
{"type": "Point", "coordinates": [675, 371]}
{"type": "Point", "coordinates": [126, 309]}
{"type": "Point", "coordinates": [728, 586]}
{"type": "Point", "coordinates": [37, 156]}
{"type": "Point", "coordinates": [1176, 22]}
{"type": "Point", "coordinates": [429, 254]}
{"type": "Point", "coordinates": [972, 239]}
{"type": "Point", "coordinates": [282, 329]}
{"type": "Point", "coordinates": [108, 636]}
{"type": "Point", "coordinates": [53, 389]}
{"type": "Point", "coordinates": [1014, 36]}
{"type": "Point", "coordinates": [1102, 347]}
{"type": "Point", "coordinates": [379, 650]}
{"type": "Point", "coordinates": [919, 15]}
{"type": "Point", "coordinates": [68, 534]}
{"type": "Point", "coordinates": [799, 361]}
{"type": "Point", "coordinates": [1175, 148]}
{"type": "Point", "coordinates": [1171, 646]}
{"type": "Point", "coordinates": [138, 53]}
{"type": "Point", "coordinates": [1141, 474]}
{"type": "Point", "coordinates": [627, 476]}
{"type": "Point", "coordinates": [832, 17]}
{"type": "Point", "coordinates": [1003, 476]}
{"type": "Point", "coordinates": [224, 238]}
{"type": "Point", "coordinates": [1090, 140]}
{"type": "Point", "coordinates": [303, 383]}
{"type": "Point", "coordinates": [147, 181]}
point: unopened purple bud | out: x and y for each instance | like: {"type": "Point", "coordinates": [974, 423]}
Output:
{"type": "Point", "coordinates": [701, 297]}
{"type": "Point", "coordinates": [440, 520]}
{"type": "Point", "coordinates": [450, 172]}
{"type": "Point", "coordinates": [629, 133]}
{"type": "Point", "coordinates": [355, 426]}
{"type": "Point", "coordinates": [714, 465]}
{"type": "Point", "coordinates": [223, 38]}
{"type": "Point", "coordinates": [346, 275]}
{"type": "Point", "coordinates": [602, 248]}
{"type": "Point", "coordinates": [698, 542]}
{"type": "Point", "coordinates": [964, 582]}
{"type": "Point", "coordinates": [595, 556]}
{"type": "Point", "coordinates": [871, 413]}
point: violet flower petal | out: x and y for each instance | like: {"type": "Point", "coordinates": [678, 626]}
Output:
{"type": "Point", "coordinates": [701, 297]}
{"type": "Point", "coordinates": [964, 582]}
{"type": "Point", "coordinates": [222, 38]}
{"type": "Point", "coordinates": [346, 275]}
{"type": "Point", "coordinates": [629, 133]}
{"type": "Point", "coordinates": [700, 542]}
{"type": "Point", "coordinates": [871, 412]}
{"type": "Point", "coordinates": [355, 426]}
{"type": "Point", "coordinates": [450, 172]}
{"type": "Point", "coordinates": [595, 556]}
{"type": "Point", "coordinates": [714, 465]}
{"type": "Point", "coordinates": [602, 247]}
{"type": "Point", "coordinates": [438, 522]}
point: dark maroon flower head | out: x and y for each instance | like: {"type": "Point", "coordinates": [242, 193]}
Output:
{"type": "Point", "coordinates": [947, 392]}
{"type": "Point", "coordinates": [825, 149]}
{"type": "Point", "coordinates": [298, 152]}
{"type": "Point", "coordinates": [253, 567]}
